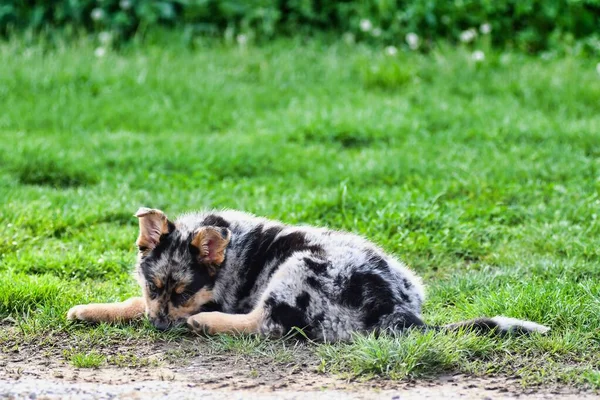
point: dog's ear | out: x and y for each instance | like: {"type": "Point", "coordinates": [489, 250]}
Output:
{"type": "Point", "coordinates": [153, 224]}
{"type": "Point", "coordinates": [211, 242]}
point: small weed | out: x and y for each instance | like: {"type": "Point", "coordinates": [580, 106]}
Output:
{"type": "Point", "coordinates": [87, 360]}
{"type": "Point", "coordinates": [390, 73]}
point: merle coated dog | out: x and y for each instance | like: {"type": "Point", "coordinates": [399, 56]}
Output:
{"type": "Point", "coordinates": [232, 272]}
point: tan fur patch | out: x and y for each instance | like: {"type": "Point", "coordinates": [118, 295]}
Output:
{"type": "Point", "coordinates": [153, 307]}
{"type": "Point", "coordinates": [218, 322]}
{"type": "Point", "coordinates": [180, 288]}
{"type": "Point", "coordinates": [127, 310]}
{"type": "Point", "coordinates": [159, 283]}
{"type": "Point", "coordinates": [192, 305]}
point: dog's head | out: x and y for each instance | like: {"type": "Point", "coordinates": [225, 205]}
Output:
{"type": "Point", "coordinates": [177, 266]}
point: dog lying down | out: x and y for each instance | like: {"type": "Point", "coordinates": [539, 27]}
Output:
{"type": "Point", "coordinates": [231, 272]}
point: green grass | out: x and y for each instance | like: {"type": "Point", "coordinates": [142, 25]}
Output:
{"type": "Point", "coordinates": [484, 177]}
{"type": "Point", "coordinates": [87, 360]}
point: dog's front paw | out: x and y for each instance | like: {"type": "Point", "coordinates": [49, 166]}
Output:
{"type": "Point", "coordinates": [199, 324]}
{"type": "Point", "coordinates": [80, 312]}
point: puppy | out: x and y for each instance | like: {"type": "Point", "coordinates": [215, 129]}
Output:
{"type": "Point", "coordinates": [232, 272]}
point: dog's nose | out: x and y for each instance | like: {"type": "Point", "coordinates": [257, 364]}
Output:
{"type": "Point", "coordinates": [161, 324]}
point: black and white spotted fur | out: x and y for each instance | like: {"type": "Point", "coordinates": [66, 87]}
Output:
{"type": "Point", "coordinates": [328, 283]}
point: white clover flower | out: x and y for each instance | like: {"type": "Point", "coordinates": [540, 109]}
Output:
{"type": "Point", "coordinates": [468, 36]}
{"type": "Point", "coordinates": [100, 260]}
{"type": "Point", "coordinates": [478, 56]}
{"type": "Point", "coordinates": [412, 39]}
{"type": "Point", "coordinates": [485, 28]}
{"type": "Point", "coordinates": [100, 52]}
{"type": "Point", "coordinates": [241, 39]}
{"type": "Point", "coordinates": [105, 37]}
{"type": "Point", "coordinates": [598, 68]}
{"type": "Point", "coordinates": [97, 14]}
{"type": "Point", "coordinates": [349, 38]}
{"type": "Point", "coordinates": [365, 25]}
{"type": "Point", "coordinates": [376, 32]}
{"type": "Point", "coordinates": [391, 51]}
{"type": "Point", "coordinates": [125, 4]}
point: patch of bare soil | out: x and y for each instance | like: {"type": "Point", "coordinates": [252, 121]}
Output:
{"type": "Point", "coordinates": [189, 368]}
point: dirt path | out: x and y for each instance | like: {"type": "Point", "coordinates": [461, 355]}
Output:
{"type": "Point", "coordinates": [190, 370]}
{"type": "Point", "coordinates": [459, 389]}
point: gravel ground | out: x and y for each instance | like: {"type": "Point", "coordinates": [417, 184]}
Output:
{"type": "Point", "coordinates": [51, 389]}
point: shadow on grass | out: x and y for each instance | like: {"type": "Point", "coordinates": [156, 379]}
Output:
{"type": "Point", "coordinates": [54, 173]}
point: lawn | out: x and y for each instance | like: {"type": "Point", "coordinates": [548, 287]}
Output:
{"type": "Point", "coordinates": [483, 176]}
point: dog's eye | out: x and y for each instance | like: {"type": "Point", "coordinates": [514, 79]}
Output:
{"type": "Point", "coordinates": [151, 287]}
{"type": "Point", "coordinates": [181, 297]}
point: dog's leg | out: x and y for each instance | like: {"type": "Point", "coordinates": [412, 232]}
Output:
{"type": "Point", "coordinates": [127, 310]}
{"type": "Point", "coordinates": [218, 322]}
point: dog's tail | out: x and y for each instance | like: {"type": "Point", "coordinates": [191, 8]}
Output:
{"type": "Point", "coordinates": [499, 325]}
